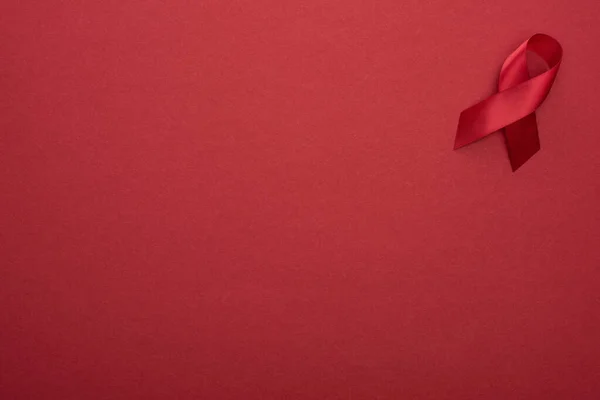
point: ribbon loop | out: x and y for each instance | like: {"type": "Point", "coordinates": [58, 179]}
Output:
{"type": "Point", "coordinates": [513, 107]}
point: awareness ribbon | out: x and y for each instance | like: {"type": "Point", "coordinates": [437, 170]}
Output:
{"type": "Point", "coordinates": [513, 107]}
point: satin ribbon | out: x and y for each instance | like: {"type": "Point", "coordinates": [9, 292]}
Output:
{"type": "Point", "coordinates": [513, 107]}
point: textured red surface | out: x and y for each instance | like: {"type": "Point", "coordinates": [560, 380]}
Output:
{"type": "Point", "coordinates": [258, 199]}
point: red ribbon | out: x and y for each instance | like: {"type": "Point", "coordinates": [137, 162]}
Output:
{"type": "Point", "coordinates": [513, 107]}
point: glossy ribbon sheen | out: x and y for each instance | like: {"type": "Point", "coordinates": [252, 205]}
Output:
{"type": "Point", "coordinates": [513, 107]}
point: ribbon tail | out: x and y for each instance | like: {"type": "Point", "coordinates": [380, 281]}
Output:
{"type": "Point", "coordinates": [469, 127]}
{"type": "Point", "coordinates": [522, 140]}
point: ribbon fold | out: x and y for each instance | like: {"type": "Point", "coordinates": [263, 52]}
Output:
{"type": "Point", "coordinates": [513, 107]}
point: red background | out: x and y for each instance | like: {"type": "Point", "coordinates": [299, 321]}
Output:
{"type": "Point", "coordinates": [258, 199]}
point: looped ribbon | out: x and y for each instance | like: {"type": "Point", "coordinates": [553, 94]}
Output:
{"type": "Point", "coordinates": [513, 107]}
